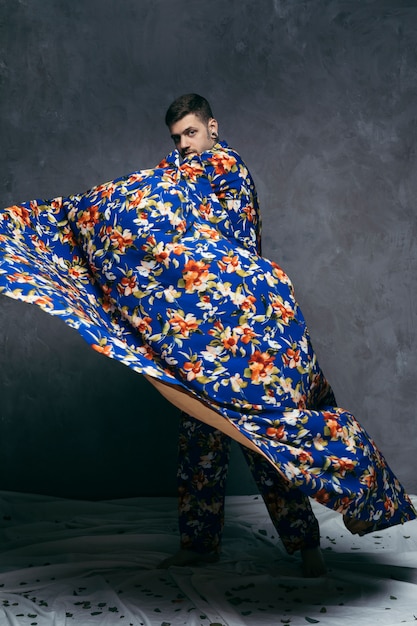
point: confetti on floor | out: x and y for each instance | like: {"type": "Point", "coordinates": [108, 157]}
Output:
{"type": "Point", "coordinates": [66, 562]}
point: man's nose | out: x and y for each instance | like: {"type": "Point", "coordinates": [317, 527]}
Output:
{"type": "Point", "coordinates": [183, 143]}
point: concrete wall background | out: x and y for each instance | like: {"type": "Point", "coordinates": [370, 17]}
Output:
{"type": "Point", "coordinates": [319, 97]}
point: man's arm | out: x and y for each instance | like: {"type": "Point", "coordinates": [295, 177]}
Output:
{"type": "Point", "coordinates": [234, 187]}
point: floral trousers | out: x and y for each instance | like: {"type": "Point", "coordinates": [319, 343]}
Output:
{"type": "Point", "coordinates": [202, 471]}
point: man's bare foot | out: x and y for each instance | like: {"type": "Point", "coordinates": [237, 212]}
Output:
{"type": "Point", "coordinates": [182, 558]}
{"type": "Point", "coordinates": [356, 526]}
{"type": "Point", "coordinates": [313, 562]}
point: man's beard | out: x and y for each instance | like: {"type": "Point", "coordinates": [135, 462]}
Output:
{"type": "Point", "coordinates": [211, 137]}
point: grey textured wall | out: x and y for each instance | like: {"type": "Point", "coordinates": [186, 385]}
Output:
{"type": "Point", "coordinates": [319, 97]}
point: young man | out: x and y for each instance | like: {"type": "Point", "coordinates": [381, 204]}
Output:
{"type": "Point", "coordinates": [203, 451]}
{"type": "Point", "coordinates": [192, 125]}
{"type": "Point", "coordinates": [158, 270]}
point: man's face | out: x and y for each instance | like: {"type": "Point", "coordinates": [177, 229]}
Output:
{"type": "Point", "coordinates": [193, 136]}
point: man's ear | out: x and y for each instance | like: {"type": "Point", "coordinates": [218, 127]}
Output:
{"type": "Point", "coordinates": [213, 127]}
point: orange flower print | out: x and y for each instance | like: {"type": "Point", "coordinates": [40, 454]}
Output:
{"type": "Point", "coordinates": [229, 340]}
{"type": "Point", "coordinates": [127, 285]}
{"type": "Point", "coordinates": [183, 326]}
{"type": "Point", "coordinates": [217, 329]}
{"type": "Point", "coordinates": [164, 163]}
{"type": "Point", "coordinates": [279, 272]}
{"type": "Point", "coordinates": [206, 210]}
{"type": "Point", "coordinates": [332, 423]}
{"type": "Point", "coordinates": [107, 304]}
{"type": "Point", "coordinates": [43, 301]}
{"type": "Point", "coordinates": [180, 226]}
{"type": "Point", "coordinates": [229, 264]}
{"type": "Point", "coordinates": [77, 270]}
{"type": "Point", "coordinates": [67, 236]}
{"type": "Point", "coordinates": [342, 465]}
{"type": "Point", "coordinates": [151, 241]}
{"type": "Point", "coordinates": [246, 334]}
{"type": "Point", "coordinates": [179, 248]}
{"type": "Point", "coordinates": [143, 324]}
{"type": "Point", "coordinates": [282, 309]}
{"type": "Point", "coordinates": [248, 303]}
{"type": "Point", "coordinates": [136, 198]}
{"type": "Point", "coordinates": [276, 433]}
{"type": "Point", "coordinates": [147, 352]}
{"type": "Point", "coordinates": [243, 301]}
{"type": "Point", "coordinates": [56, 205]}
{"type": "Point", "coordinates": [222, 162]}
{"type": "Point", "coordinates": [192, 369]}
{"type": "Point", "coordinates": [88, 219]}
{"type": "Point", "coordinates": [195, 274]}
{"type": "Point", "coordinates": [369, 478]}
{"type": "Point", "coordinates": [250, 213]}
{"type": "Point", "coordinates": [20, 215]}
{"type": "Point", "coordinates": [322, 496]}
{"type": "Point", "coordinates": [208, 232]}
{"type": "Point", "coordinates": [305, 457]}
{"type": "Point", "coordinates": [161, 254]}
{"type": "Point", "coordinates": [389, 506]}
{"type": "Point", "coordinates": [291, 357]}
{"type": "Point", "coordinates": [192, 170]}
{"type": "Point", "coordinates": [121, 240]}
{"type": "Point", "coordinates": [261, 366]}
{"type": "Point", "coordinates": [21, 277]}
{"type": "Point", "coordinates": [137, 177]}
{"type": "Point", "coordinates": [106, 191]}
{"type": "Point", "coordinates": [106, 350]}
{"type": "Point", "coordinates": [302, 401]}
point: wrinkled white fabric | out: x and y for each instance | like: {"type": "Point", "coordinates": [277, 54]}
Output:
{"type": "Point", "coordinates": [66, 562]}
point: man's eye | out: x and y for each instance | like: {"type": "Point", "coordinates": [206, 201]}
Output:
{"type": "Point", "coordinates": [191, 133]}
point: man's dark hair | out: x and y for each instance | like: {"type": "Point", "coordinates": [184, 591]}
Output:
{"type": "Point", "coordinates": [188, 103]}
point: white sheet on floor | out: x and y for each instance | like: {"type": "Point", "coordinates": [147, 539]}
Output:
{"type": "Point", "coordinates": [66, 562]}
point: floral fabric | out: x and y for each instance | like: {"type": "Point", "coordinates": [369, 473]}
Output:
{"type": "Point", "coordinates": [146, 271]}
